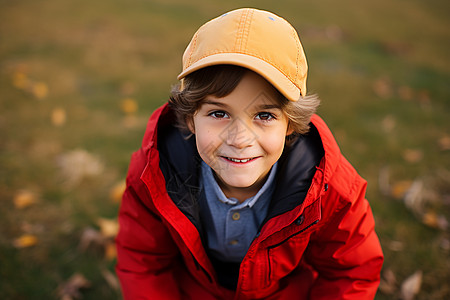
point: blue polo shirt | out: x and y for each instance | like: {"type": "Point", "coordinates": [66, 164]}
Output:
{"type": "Point", "coordinates": [232, 226]}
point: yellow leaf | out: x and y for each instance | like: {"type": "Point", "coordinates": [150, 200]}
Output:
{"type": "Point", "coordinates": [129, 106]}
{"type": "Point", "coordinates": [25, 241]}
{"type": "Point", "coordinates": [399, 188]}
{"type": "Point", "coordinates": [20, 80]}
{"type": "Point", "coordinates": [24, 199]}
{"type": "Point", "coordinates": [117, 191]}
{"type": "Point", "coordinates": [39, 90]}
{"type": "Point", "coordinates": [110, 251]}
{"type": "Point", "coordinates": [58, 117]}
{"type": "Point", "coordinates": [412, 155]}
{"type": "Point", "coordinates": [444, 143]}
{"type": "Point", "coordinates": [108, 228]}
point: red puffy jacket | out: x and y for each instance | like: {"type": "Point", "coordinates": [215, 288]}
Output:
{"type": "Point", "coordinates": [323, 247]}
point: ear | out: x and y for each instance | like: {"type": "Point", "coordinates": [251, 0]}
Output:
{"type": "Point", "coordinates": [190, 125]}
{"type": "Point", "coordinates": [290, 130]}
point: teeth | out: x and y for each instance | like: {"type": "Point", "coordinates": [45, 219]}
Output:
{"type": "Point", "coordinates": [239, 160]}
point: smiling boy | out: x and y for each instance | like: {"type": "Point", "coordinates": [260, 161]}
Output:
{"type": "Point", "coordinates": [247, 196]}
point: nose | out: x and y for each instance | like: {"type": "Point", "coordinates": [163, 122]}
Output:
{"type": "Point", "coordinates": [239, 135]}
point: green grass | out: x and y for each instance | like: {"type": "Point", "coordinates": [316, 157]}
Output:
{"type": "Point", "coordinates": [92, 55]}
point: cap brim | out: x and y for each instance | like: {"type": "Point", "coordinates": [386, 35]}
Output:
{"type": "Point", "coordinates": [266, 70]}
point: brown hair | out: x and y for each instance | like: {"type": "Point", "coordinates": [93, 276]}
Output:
{"type": "Point", "coordinates": [219, 81]}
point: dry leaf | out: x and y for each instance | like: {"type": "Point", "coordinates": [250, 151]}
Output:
{"type": "Point", "coordinates": [91, 237]}
{"type": "Point", "coordinates": [71, 288]}
{"type": "Point", "coordinates": [382, 88]}
{"type": "Point", "coordinates": [388, 123]}
{"type": "Point", "coordinates": [383, 181]}
{"type": "Point", "coordinates": [128, 88]}
{"type": "Point", "coordinates": [39, 90]}
{"type": "Point", "coordinates": [117, 191]}
{"type": "Point", "coordinates": [20, 81]}
{"type": "Point", "coordinates": [424, 97]}
{"type": "Point", "coordinates": [25, 241]}
{"type": "Point", "coordinates": [388, 282]}
{"type": "Point", "coordinates": [110, 251]}
{"type": "Point", "coordinates": [111, 279]}
{"type": "Point", "coordinates": [396, 246]}
{"type": "Point", "coordinates": [399, 189]}
{"type": "Point", "coordinates": [444, 143]}
{"type": "Point", "coordinates": [412, 155]}
{"type": "Point", "coordinates": [430, 218]}
{"type": "Point", "coordinates": [129, 106]}
{"type": "Point", "coordinates": [414, 197]}
{"type": "Point", "coordinates": [24, 199]}
{"type": "Point", "coordinates": [58, 117]}
{"type": "Point", "coordinates": [108, 228]}
{"type": "Point", "coordinates": [77, 165]}
{"type": "Point", "coordinates": [411, 286]}
{"type": "Point", "coordinates": [405, 93]}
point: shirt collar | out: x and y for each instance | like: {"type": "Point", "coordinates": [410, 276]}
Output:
{"type": "Point", "coordinates": [209, 182]}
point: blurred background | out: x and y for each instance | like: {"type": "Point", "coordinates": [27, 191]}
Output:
{"type": "Point", "coordinates": [79, 79]}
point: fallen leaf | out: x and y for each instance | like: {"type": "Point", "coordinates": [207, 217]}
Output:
{"type": "Point", "coordinates": [382, 88]}
{"type": "Point", "coordinates": [39, 90]}
{"type": "Point", "coordinates": [399, 189]}
{"type": "Point", "coordinates": [388, 123]}
{"type": "Point", "coordinates": [444, 143]}
{"type": "Point", "coordinates": [58, 117]}
{"type": "Point", "coordinates": [110, 251]}
{"type": "Point", "coordinates": [128, 88]}
{"type": "Point", "coordinates": [71, 288]}
{"type": "Point", "coordinates": [25, 241]}
{"type": "Point", "coordinates": [405, 93]}
{"type": "Point", "coordinates": [412, 155]}
{"type": "Point", "coordinates": [111, 279]}
{"type": "Point", "coordinates": [108, 227]}
{"type": "Point", "coordinates": [388, 282]}
{"type": "Point", "coordinates": [396, 246]}
{"type": "Point", "coordinates": [129, 106]}
{"type": "Point", "coordinates": [384, 181]}
{"type": "Point", "coordinates": [414, 198]}
{"type": "Point", "coordinates": [431, 219]}
{"type": "Point", "coordinates": [24, 199]}
{"type": "Point", "coordinates": [91, 237]}
{"type": "Point", "coordinates": [117, 191]}
{"type": "Point", "coordinates": [424, 97]}
{"type": "Point", "coordinates": [411, 286]}
{"type": "Point", "coordinates": [20, 81]}
{"type": "Point", "coordinates": [77, 165]}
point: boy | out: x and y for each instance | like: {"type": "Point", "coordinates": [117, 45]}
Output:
{"type": "Point", "coordinates": [247, 196]}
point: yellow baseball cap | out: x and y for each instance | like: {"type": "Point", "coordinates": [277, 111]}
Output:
{"type": "Point", "coordinates": [255, 39]}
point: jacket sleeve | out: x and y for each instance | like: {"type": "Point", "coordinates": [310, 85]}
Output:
{"type": "Point", "coordinates": [346, 251]}
{"type": "Point", "coordinates": [146, 254]}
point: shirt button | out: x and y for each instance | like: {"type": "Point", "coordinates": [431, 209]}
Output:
{"type": "Point", "coordinates": [236, 216]}
{"type": "Point", "coordinates": [234, 242]}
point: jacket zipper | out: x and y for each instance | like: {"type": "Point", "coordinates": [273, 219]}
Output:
{"type": "Point", "coordinates": [307, 227]}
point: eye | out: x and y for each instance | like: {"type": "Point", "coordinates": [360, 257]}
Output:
{"type": "Point", "coordinates": [265, 116]}
{"type": "Point", "coordinates": [218, 114]}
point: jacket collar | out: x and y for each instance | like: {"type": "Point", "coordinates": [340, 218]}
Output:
{"type": "Point", "coordinates": [296, 184]}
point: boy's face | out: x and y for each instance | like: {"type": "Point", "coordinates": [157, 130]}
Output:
{"type": "Point", "coordinates": [242, 135]}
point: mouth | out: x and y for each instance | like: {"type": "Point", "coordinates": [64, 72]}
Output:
{"type": "Point", "coordinates": [239, 160]}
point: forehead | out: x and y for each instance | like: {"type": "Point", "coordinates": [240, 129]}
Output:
{"type": "Point", "coordinates": [252, 90]}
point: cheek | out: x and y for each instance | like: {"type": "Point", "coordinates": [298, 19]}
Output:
{"type": "Point", "coordinates": [207, 143]}
{"type": "Point", "coordinates": [273, 144]}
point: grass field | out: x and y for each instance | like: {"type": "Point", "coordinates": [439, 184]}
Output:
{"type": "Point", "coordinates": [79, 79]}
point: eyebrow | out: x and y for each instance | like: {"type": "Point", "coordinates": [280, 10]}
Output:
{"type": "Point", "coordinates": [211, 102]}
